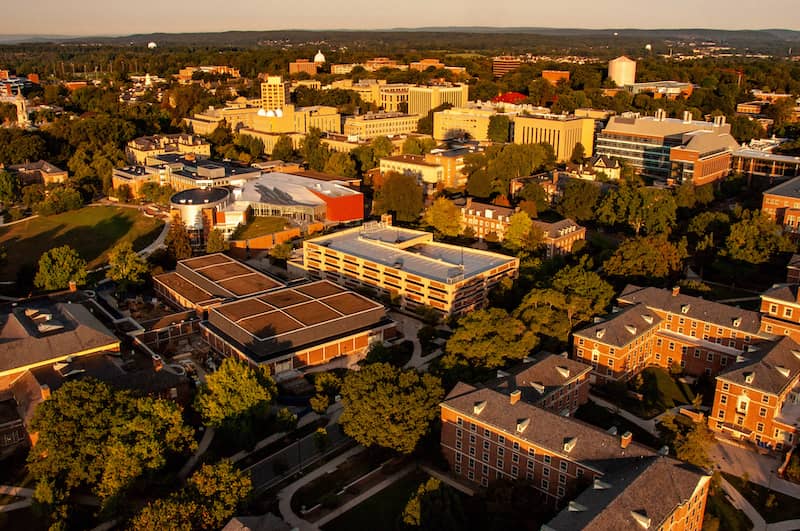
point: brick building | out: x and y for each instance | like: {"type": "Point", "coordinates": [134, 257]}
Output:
{"type": "Point", "coordinates": [781, 204]}
{"type": "Point", "coordinates": [757, 398]}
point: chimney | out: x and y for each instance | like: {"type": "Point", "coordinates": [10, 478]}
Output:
{"type": "Point", "coordinates": [45, 391]}
{"type": "Point", "coordinates": [73, 286]}
{"type": "Point", "coordinates": [676, 291]}
{"type": "Point", "coordinates": [514, 397]}
{"type": "Point", "coordinates": [469, 203]}
{"type": "Point", "coordinates": [386, 219]}
{"type": "Point", "coordinates": [625, 440]}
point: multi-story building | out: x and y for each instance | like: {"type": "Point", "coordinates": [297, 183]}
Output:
{"type": "Point", "coordinates": [758, 399]}
{"type": "Point", "coordinates": [303, 65]}
{"type": "Point", "coordinates": [668, 149]}
{"type": "Point", "coordinates": [555, 76]}
{"type": "Point", "coordinates": [558, 237]}
{"type": "Point", "coordinates": [183, 172]}
{"type": "Point", "coordinates": [755, 163]}
{"type": "Point", "coordinates": [552, 382]}
{"type": "Point", "coordinates": [429, 174]}
{"type": "Point", "coordinates": [407, 265]}
{"type": "Point", "coordinates": [504, 64]}
{"type": "Point", "coordinates": [793, 270]}
{"type": "Point", "coordinates": [489, 435]}
{"type": "Point", "coordinates": [40, 172]}
{"type": "Point", "coordinates": [622, 71]}
{"type": "Point", "coordinates": [138, 149]}
{"type": "Point", "coordinates": [371, 125]}
{"type": "Point", "coordinates": [185, 75]}
{"type": "Point", "coordinates": [781, 204]}
{"type": "Point", "coordinates": [421, 99]}
{"type": "Point", "coordinates": [665, 328]}
{"type": "Point", "coordinates": [485, 220]}
{"type": "Point", "coordinates": [662, 89]}
{"type": "Point", "coordinates": [780, 309]}
{"type": "Point", "coordinates": [563, 132]}
{"type": "Point", "coordinates": [464, 122]}
{"type": "Point", "coordinates": [425, 64]}
{"type": "Point", "coordinates": [274, 93]}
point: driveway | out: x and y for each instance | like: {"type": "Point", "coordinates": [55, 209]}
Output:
{"type": "Point", "coordinates": [760, 469]}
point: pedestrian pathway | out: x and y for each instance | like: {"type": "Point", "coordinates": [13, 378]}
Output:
{"type": "Point", "coordinates": [205, 442]}
{"type": "Point", "coordinates": [363, 496]}
{"type": "Point", "coordinates": [647, 425]}
{"type": "Point", "coordinates": [286, 494]}
{"type": "Point", "coordinates": [759, 524]}
{"type": "Point", "coordinates": [19, 492]}
{"type": "Point", "coordinates": [11, 490]}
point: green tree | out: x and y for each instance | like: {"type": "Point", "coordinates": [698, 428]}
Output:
{"type": "Point", "coordinates": [693, 445]}
{"type": "Point", "coordinates": [444, 216]}
{"type": "Point", "coordinates": [10, 187]}
{"type": "Point", "coordinates": [425, 124]}
{"type": "Point", "coordinates": [488, 339]}
{"type": "Point", "coordinates": [434, 507]}
{"type": "Point", "coordinates": [533, 192]}
{"type": "Point", "coordinates": [59, 266]}
{"type": "Point", "coordinates": [418, 146]}
{"type": "Point", "coordinates": [755, 239]}
{"type": "Point", "coordinates": [282, 251]}
{"type": "Point", "coordinates": [234, 390]}
{"type": "Point", "coordinates": [92, 436]}
{"type": "Point", "coordinates": [578, 154]}
{"type": "Point", "coordinates": [647, 258]}
{"type": "Point", "coordinates": [125, 266]}
{"type": "Point", "coordinates": [321, 439]}
{"type": "Point", "coordinates": [382, 147]}
{"type": "Point", "coordinates": [640, 208]}
{"type": "Point", "coordinates": [340, 164]}
{"type": "Point", "coordinates": [579, 200]}
{"type": "Point", "coordinates": [283, 149]}
{"type": "Point", "coordinates": [216, 242]}
{"type": "Point", "coordinates": [327, 386]}
{"type": "Point", "coordinates": [522, 234]}
{"type": "Point", "coordinates": [399, 194]}
{"type": "Point", "coordinates": [123, 193]}
{"type": "Point", "coordinates": [177, 240]}
{"type": "Point", "coordinates": [499, 128]}
{"type": "Point", "coordinates": [388, 407]}
{"type": "Point", "coordinates": [313, 150]}
{"type": "Point", "coordinates": [580, 284]}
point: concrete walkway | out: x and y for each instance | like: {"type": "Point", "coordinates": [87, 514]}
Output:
{"type": "Point", "coordinates": [27, 502]}
{"type": "Point", "coordinates": [760, 469]}
{"type": "Point", "coordinates": [11, 490]}
{"type": "Point", "coordinates": [286, 494]}
{"type": "Point", "coordinates": [205, 442]}
{"type": "Point", "coordinates": [786, 525]}
{"type": "Point", "coordinates": [759, 524]}
{"type": "Point", "coordinates": [363, 496]}
{"type": "Point", "coordinates": [647, 425]}
{"type": "Point", "coordinates": [159, 242]}
{"type": "Point", "coordinates": [20, 492]}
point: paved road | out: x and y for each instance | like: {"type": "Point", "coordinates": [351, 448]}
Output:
{"type": "Point", "coordinates": [760, 469]}
{"type": "Point", "coordinates": [303, 451]}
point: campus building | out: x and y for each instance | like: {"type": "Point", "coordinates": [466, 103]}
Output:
{"type": "Point", "coordinates": [662, 89]}
{"type": "Point", "coordinates": [39, 172]}
{"type": "Point", "coordinates": [422, 99]}
{"type": "Point", "coordinates": [781, 204]}
{"type": "Point", "coordinates": [183, 172]}
{"type": "Point", "coordinates": [668, 149]}
{"type": "Point", "coordinates": [504, 64]}
{"type": "Point", "coordinates": [665, 328]}
{"type": "Point", "coordinates": [372, 125]}
{"type": "Point", "coordinates": [274, 93]}
{"type": "Point", "coordinates": [186, 74]}
{"type": "Point", "coordinates": [303, 65]}
{"type": "Point", "coordinates": [489, 435]}
{"type": "Point", "coordinates": [408, 265]}
{"type": "Point", "coordinates": [772, 166]}
{"type": "Point", "coordinates": [757, 398]}
{"type": "Point", "coordinates": [562, 132]}
{"type": "Point", "coordinates": [138, 149]}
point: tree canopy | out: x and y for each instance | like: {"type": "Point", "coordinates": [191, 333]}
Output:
{"type": "Point", "coordinates": [216, 242]}
{"type": "Point", "coordinates": [177, 240]}
{"type": "Point", "coordinates": [125, 266]}
{"type": "Point", "coordinates": [389, 407]}
{"type": "Point", "coordinates": [488, 339]}
{"type": "Point", "coordinates": [755, 239]}
{"type": "Point", "coordinates": [93, 436]}
{"type": "Point", "coordinates": [234, 390]}
{"type": "Point", "coordinates": [646, 258]}
{"type": "Point", "coordinates": [60, 266]}
{"type": "Point", "coordinates": [444, 216]}
{"type": "Point", "coordinates": [579, 200]}
{"type": "Point", "coordinates": [399, 194]}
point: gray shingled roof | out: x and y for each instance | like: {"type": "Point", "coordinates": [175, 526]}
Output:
{"type": "Point", "coordinates": [652, 486]}
{"type": "Point", "coordinates": [763, 367]}
{"type": "Point", "coordinates": [790, 188]}
{"type": "Point", "coordinates": [594, 447]}
{"type": "Point", "coordinates": [553, 230]}
{"type": "Point", "coordinates": [782, 292]}
{"type": "Point", "coordinates": [550, 371]}
{"type": "Point", "coordinates": [693, 307]}
{"type": "Point", "coordinates": [622, 327]}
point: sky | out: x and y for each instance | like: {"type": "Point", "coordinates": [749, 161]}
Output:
{"type": "Point", "coordinates": [125, 17]}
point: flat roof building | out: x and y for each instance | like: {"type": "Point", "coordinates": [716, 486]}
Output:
{"type": "Point", "coordinates": [408, 264]}
{"type": "Point", "coordinates": [138, 149]}
{"type": "Point", "coordinates": [274, 93]}
{"type": "Point", "coordinates": [372, 125]}
{"type": "Point", "coordinates": [422, 99]}
{"type": "Point", "coordinates": [562, 132]}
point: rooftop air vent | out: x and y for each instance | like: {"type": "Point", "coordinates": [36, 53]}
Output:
{"type": "Point", "coordinates": [575, 507]}
{"type": "Point", "coordinates": [642, 519]}
{"type": "Point", "coordinates": [737, 322]}
{"type": "Point", "coordinates": [648, 319]}
{"type": "Point", "coordinates": [749, 377]}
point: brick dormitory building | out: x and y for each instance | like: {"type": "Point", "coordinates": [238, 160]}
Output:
{"type": "Point", "coordinates": [754, 356]}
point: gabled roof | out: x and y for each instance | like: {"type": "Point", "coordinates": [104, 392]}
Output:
{"type": "Point", "coordinates": [783, 292]}
{"type": "Point", "coordinates": [770, 369]}
{"type": "Point", "coordinates": [693, 307]}
{"type": "Point", "coordinates": [649, 488]}
{"type": "Point", "coordinates": [593, 447]}
{"type": "Point", "coordinates": [557, 228]}
{"type": "Point", "coordinates": [540, 377]}
{"type": "Point", "coordinates": [622, 327]}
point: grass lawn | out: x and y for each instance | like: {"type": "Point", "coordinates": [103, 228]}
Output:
{"type": "Point", "coordinates": [660, 390]}
{"type": "Point", "coordinates": [604, 419]}
{"type": "Point", "coordinates": [92, 231]}
{"type": "Point", "coordinates": [729, 517]}
{"type": "Point", "coordinates": [260, 226]}
{"type": "Point", "coordinates": [773, 506]}
{"type": "Point", "coordinates": [380, 511]}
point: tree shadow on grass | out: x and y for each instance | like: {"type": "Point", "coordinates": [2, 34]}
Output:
{"type": "Point", "coordinates": [92, 241]}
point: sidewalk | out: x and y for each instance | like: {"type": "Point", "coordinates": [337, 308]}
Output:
{"type": "Point", "coordinates": [741, 503]}
{"type": "Point", "coordinates": [205, 442]}
{"type": "Point", "coordinates": [285, 495]}
{"type": "Point", "coordinates": [760, 469]}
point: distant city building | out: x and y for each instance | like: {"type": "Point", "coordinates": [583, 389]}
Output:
{"type": "Point", "coordinates": [422, 99]}
{"type": "Point", "coordinates": [274, 93]}
{"type": "Point", "coordinates": [668, 149]}
{"type": "Point", "coordinates": [409, 265]}
{"type": "Point", "coordinates": [303, 65]}
{"type": "Point", "coordinates": [662, 89]}
{"type": "Point", "coordinates": [372, 125]}
{"type": "Point", "coordinates": [504, 64]}
{"type": "Point", "coordinates": [138, 149]}
{"type": "Point", "coordinates": [186, 74]}
{"type": "Point", "coordinates": [555, 76]}
{"type": "Point", "coordinates": [183, 172]}
{"type": "Point", "coordinates": [40, 172]}
{"type": "Point", "coordinates": [763, 164]}
{"type": "Point", "coordinates": [562, 132]}
{"type": "Point", "coordinates": [622, 71]}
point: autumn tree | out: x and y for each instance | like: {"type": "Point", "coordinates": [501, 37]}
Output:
{"type": "Point", "coordinates": [522, 235]}
{"type": "Point", "coordinates": [418, 146]}
{"type": "Point", "coordinates": [177, 240]}
{"type": "Point", "coordinates": [488, 339]}
{"type": "Point", "coordinates": [58, 267]}
{"type": "Point", "coordinates": [755, 239]}
{"type": "Point", "coordinates": [399, 194]}
{"type": "Point", "coordinates": [646, 258]}
{"type": "Point", "coordinates": [233, 391]}
{"type": "Point", "coordinates": [579, 200]}
{"type": "Point", "coordinates": [216, 242]}
{"type": "Point", "coordinates": [639, 207]}
{"type": "Point", "coordinates": [125, 266]}
{"type": "Point", "coordinates": [91, 436]}
{"type": "Point", "coordinates": [444, 216]}
{"type": "Point", "coordinates": [389, 407]}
